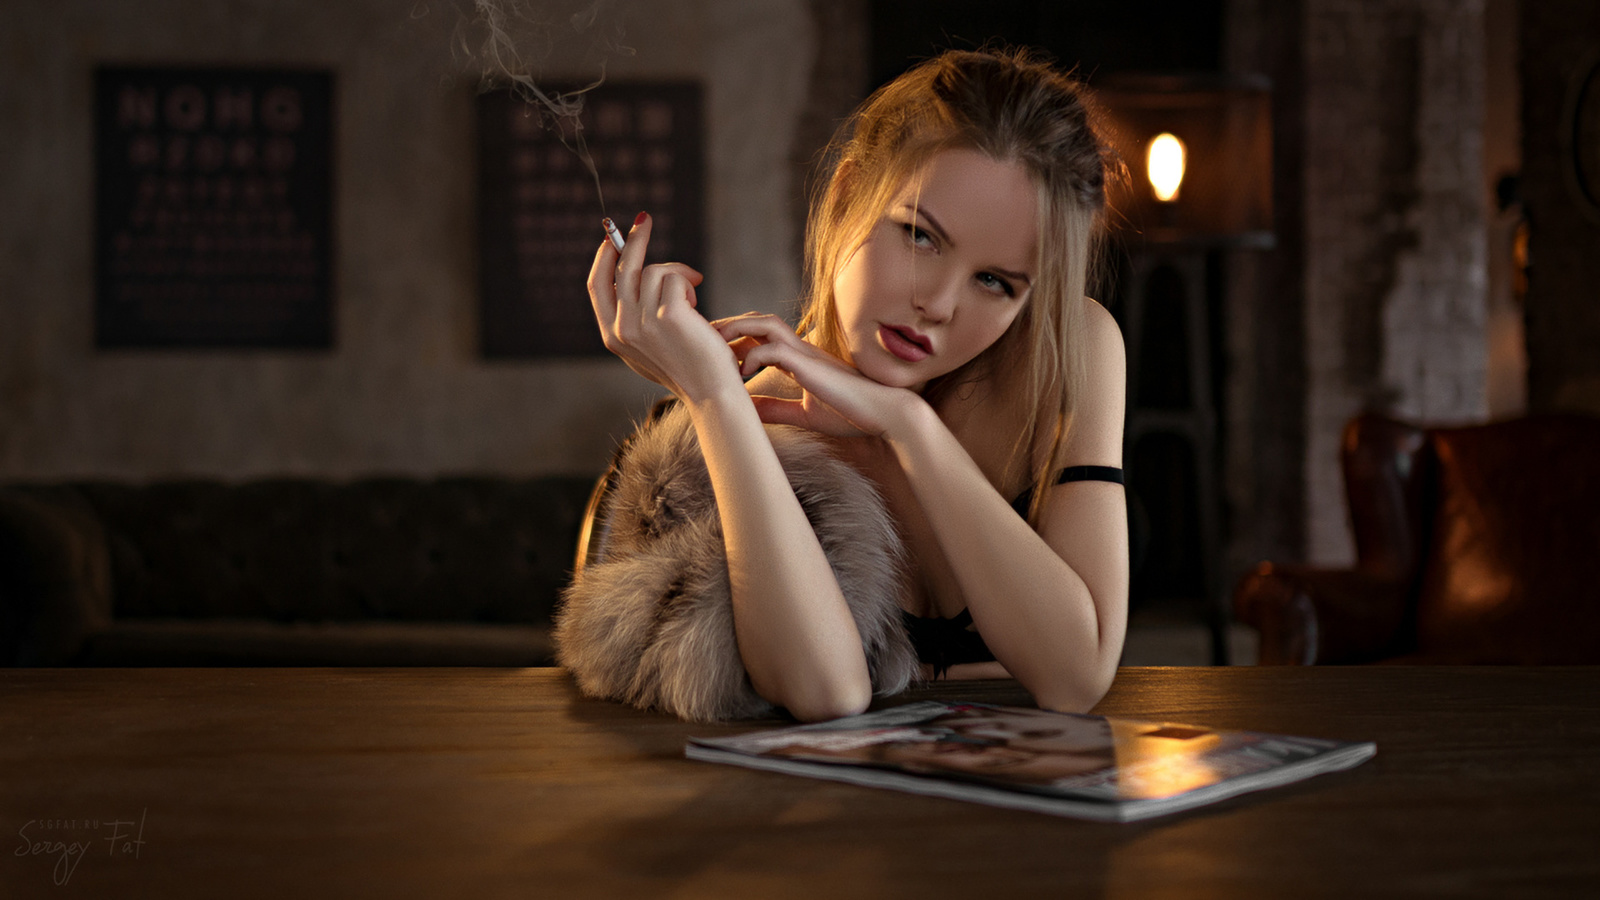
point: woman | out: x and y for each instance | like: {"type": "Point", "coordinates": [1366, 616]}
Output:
{"type": "Point", "coordinates": [949, 355]}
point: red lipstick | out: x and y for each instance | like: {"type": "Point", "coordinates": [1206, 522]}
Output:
{"type": "Point", "coordinates": [905, 343]}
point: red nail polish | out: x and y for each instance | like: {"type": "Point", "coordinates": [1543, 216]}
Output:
{"type": "Point", "coordinates": [639, 219]}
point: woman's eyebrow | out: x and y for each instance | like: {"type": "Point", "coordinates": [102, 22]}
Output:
{"type": "Point", "coordinates": [920, 210]}
{"type": "Point", "coordinates": [1014, 276]}
{"type": "Point", "coordinates": [945, 236]}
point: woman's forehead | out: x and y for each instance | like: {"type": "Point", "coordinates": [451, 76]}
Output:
{"type": "Point", "coordinates": [976, 198]}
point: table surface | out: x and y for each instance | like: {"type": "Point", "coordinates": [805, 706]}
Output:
{"type": "Point", "coordinates": [506, 783]}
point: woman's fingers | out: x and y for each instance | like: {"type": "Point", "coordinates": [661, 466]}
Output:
{"type": "Point", "coordinates": [689, 273]}
{"type": "Point", "coordinates": [602, 285]}
{"type": "Point", "coordinates": [767, 340]}
{"type": "Point", "coordinates": [653, 281]}
{"type": "Point", "coordinates": [741, 348]}
{"type": "Point", "coordinates": [654, 274]}
{"type": "Point", "coordinates": [764, 326]}
{"type": "Point", "coordinates": [672, 291]}
{"type": "Point", "coordinates": [614, 293]}
{"type": "Point", "coordinates": [639, 286]}
{"type": "Point", "coordinates": [838, 399]}
{"type": "Point", "coordinates": [761, 355]}
{"type": "Point", "coordinates": [807, 413]}
{"type": "Point", "coordinates": [749, 332]}
{"type": "Point", "coordinates": [692, 276]}
{"type": "Point", "coordinates": [631, 264]}
{"type": "Point", "coordinates": [648, 318]}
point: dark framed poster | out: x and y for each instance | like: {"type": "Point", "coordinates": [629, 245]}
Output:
{"type": "Point", "coordinates": [213, 208]}
{"type": "Point", "coordinates": [540, 206]}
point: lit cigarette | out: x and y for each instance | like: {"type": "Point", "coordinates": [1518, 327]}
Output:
{"type": "Point", "coordinates": [614, 234]}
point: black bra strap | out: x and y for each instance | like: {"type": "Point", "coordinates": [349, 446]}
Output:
{"type": "Point", "coordinates": [1071, 473]}
{"type": "Point", "coordinates": [1090, 473]}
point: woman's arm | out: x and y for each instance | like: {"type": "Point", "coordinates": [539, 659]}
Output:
{"type": "Point", "coordinates": [796, 636]}
{"type": "Point", "coordinates": [1051, 604]}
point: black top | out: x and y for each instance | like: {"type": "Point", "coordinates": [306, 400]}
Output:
{"type": "Point", "coordinates": [943, 643]}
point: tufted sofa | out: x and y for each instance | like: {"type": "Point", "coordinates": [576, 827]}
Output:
{"type": "Point", "coordinates": [393, 571]}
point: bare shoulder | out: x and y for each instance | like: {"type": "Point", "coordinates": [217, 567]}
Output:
{"type": "Point", "coordinates": [1103, 333]}
{"type": "Point", "coordinates": [1095, 438]}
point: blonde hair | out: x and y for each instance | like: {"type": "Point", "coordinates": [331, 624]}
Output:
{"type": "Point", "coordinates": [1011, 108]}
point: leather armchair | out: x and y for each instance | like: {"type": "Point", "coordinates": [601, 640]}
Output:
{"type": "Point", "coordinates": [1476, 544]}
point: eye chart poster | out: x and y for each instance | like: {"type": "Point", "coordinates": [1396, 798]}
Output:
{"type": "Point", "coordinates": [540, 210]}
{"type": "Point", "coordinates": [213, 208]}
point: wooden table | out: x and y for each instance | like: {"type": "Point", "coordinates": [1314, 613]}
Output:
{"type": "Point", "coordinates": [306, 783]}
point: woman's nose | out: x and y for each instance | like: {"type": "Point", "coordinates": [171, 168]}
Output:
{"type": "Point", "coordinates": [935, 302]}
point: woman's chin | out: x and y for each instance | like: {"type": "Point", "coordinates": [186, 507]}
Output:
{"type": "Point", "coordinates": [892, 373]}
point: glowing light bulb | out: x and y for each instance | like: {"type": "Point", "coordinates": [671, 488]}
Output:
{"type": "Point", "coordinates": [1164, 164]}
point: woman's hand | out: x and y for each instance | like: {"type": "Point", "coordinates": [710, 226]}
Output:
{"type": "Point", "coordinates": [647, 318]}
{"type": "Point", "coordinates": [836, 398]}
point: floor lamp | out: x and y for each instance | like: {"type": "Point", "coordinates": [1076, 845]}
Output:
{"type": "Point", "coordinates": [1198, 151]}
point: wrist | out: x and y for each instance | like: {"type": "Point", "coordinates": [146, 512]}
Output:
{"type": "Point", "coordinates": [719, 396]}
{"type": "Point", "coordinates": [910, 424]}
{"type": "Point", "coordinates": [716, 380]}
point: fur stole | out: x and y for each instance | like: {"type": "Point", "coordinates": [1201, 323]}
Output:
{"type": "Point", "coordinates": [649, 621]}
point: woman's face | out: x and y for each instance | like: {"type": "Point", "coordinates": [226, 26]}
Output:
{"type": "Point", "coordinates": [942, 273]}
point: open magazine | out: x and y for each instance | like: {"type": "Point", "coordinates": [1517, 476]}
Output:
{"type": "Point", "coordinates": [1088, 767]}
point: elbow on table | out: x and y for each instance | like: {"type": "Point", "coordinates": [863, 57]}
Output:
{"type": "Point", "coordinates": [1075, 692]}
{"type": "Point", "coordinates": [833, 701]}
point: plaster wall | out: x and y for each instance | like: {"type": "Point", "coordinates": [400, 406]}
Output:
{"type": "Point", "coordinates": [1396, 218]}
{"type": "Point", "coordinates": [404, 391]}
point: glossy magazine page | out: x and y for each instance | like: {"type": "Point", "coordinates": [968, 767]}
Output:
{"type": "Point", "coordinates": [1083, 766]}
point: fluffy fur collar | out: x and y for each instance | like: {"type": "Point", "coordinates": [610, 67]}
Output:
{"type": "Point", "coordinates": [650, 620]}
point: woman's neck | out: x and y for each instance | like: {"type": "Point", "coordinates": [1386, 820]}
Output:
{"type": "Point", "coordinates": [987, 420]}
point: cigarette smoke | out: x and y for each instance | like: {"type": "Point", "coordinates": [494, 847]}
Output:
{"type": "Point", "coordinates": [509, 42]}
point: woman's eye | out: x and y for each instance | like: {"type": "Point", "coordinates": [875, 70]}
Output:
{"type": "Point", "coordinates": [917, 235]}
{"type": "Point", "coordinates": [997, 284]}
